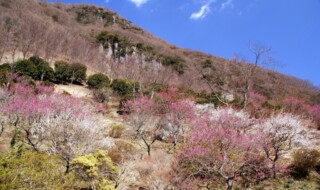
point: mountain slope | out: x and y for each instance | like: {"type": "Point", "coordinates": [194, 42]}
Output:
{"type": "Point", "coordinates": [108, 43]}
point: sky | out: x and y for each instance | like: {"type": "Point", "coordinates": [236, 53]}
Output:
{"type": "Point", "coordinates": [225, 27]}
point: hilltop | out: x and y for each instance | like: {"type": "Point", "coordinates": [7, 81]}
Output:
{"type": "Point", "coordinates": [106, 42]}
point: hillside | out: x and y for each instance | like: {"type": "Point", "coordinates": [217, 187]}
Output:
{"type": "Point", "coordinates": [101, 39]}
{"type": "Point", "coordinates": [89, 101]}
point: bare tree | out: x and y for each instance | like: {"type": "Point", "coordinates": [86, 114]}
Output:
{"type": "Point", "coordinates": [214, 79]}
{"type": "Point", "coordinates": [262, 57]}
{"type": "Point", "coordinates": [9, 40]}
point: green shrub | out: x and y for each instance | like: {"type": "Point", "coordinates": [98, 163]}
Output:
{"type": "Point", "coordinates": [44, 71]}
{"type": "Point", "coordinates": [5, 67]}
{"type": "Point", "coordinates": [141, 47]}
{"type": "Point", "coordinates": [78, 73]}
{"type": "Point", "coordinates": [26, 67]}
{"type": "Point", "coordinates": [207, 64]}
{"type": "Point", "coordinates": [74, 73]}
{"type": "Point", "coordinates": [109, 37]}
{"type": "Point", "coordinates": [98, 80]}
{"type": "Point", "coordinates": [62, 72]}
{"type": "Point", "coordinates": [177, 63]}
{"type": "Point", "coordinates": [116, 130]}
{"type": "Point", "coordinates": [34, 67]}
{"type": "Point", "coordinates": [125, 87]}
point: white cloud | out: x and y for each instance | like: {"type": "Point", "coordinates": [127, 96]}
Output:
{"type": "Point", "coordinates": [203, 12]}
{"type": "Point", "coordinates": [226, 4]}
{"type": "Point", "coordinates": [138, 3]}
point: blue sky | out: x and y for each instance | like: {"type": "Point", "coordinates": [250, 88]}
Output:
{"type": "Point", "coordinates": [225, 27]}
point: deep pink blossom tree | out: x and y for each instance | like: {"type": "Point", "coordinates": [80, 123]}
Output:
{"type": "Point", "coordinates": [166, 117]}
{"type": "Point", "coordinates": [177, 114]}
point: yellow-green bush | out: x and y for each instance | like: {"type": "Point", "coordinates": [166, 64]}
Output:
{"type": "Point", "coordinates": [34, 170]}
{"type": "Point", "coordinates": [95, 169]}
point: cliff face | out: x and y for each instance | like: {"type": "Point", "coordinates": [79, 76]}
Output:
{"type": "Point", "coordinates": [108, 43]}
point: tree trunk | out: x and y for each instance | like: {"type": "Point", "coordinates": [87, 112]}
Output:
{"type": "Point", "coordinates": [174, 145]}
{"type": "Point", "coordinates": [42, 76]}
{"type": "Point", "coordinates": [229, 184]}
{"type": "Point", "coordinates": [152, 94]}
{"type": "Point", "coordinates": [245, 95]}
{"type": "Point", "coordinates": [29, 140]}
{"type": "Point", "coordinates": [1, 129]}
{"type": "Point", "coordinates": [274, 172]}
{"type": "Point", "coordinates": [67, 167]}
{"type": "Point", "coordinates": [149, 150]}
{"type": "Point", "coordinates": [148, 146]}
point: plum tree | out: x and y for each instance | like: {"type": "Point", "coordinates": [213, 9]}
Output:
{"type": "Point", "coordinates": [216, 153]}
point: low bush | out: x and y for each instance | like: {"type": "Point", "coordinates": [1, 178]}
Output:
{"type": "Point", "coordinates": [78, 73]}
{"type": "Point", "coordinates": [96, 170]}
{"type": "Point", "coordinates": [102, 95]}
{"type": "Point", "coordinates": [125, 87]}
{"type": "Point", "coordinates": [304, 162]}
{"type": "Point", "coordinates": [33, 170]}
{"type": "Point", "coordinates": [177, 63]}
{"type": "Point", "coordinates": [207, 64]}
{"type": "Point", "coordinates": [62, 72]}
{"type": "Point", "coordinates": [34, 67]}
{"type": "Point", "coordinates": [122, 151]}
{"type": "Point", "coordinates": [5, 67]}
{"type": "Point", "coordinates": [69, 73]}
{"type": "Point", "coordinates": [26, 67]}
{"type": "Point", "coordinates": [116, 130]}
{"type": "Point", "coordinates": [98, 81]}
{"type": "Point", "coordinates": [44, 71]}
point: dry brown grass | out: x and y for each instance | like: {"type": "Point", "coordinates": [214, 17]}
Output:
{"type": "Point", "coordinates": [53, 32]}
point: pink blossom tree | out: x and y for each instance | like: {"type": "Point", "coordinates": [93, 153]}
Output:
{"type": "Point", "coordinates": [216, 153]}
{"type": "Point", "coordinates": [142, 117]}
{"type": "Point", "coordinates": [166, 117]}
{"type": "Point", "coordinates": [177, 114]}
{"type": "Point", "coordinates": [54, 123]}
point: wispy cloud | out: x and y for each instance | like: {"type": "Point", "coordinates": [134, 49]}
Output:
{"type": "Point", "coordinates": [226, 4]}
{"type": "Point", "coordinates": [203, 12]}
{"type": "Point", "coordinates": [138, 3]}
